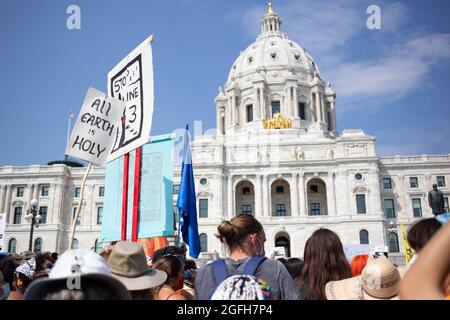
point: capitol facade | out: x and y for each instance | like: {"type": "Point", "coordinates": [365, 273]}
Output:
{"type": "Point", "coordinates": [277, 155]}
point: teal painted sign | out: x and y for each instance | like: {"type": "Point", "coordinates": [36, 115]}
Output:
{"type": "Point", "coordinates": [156, 193]}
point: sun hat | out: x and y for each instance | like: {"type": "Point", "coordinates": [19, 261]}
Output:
{"type": "Point", "coordinates": [128, 263]}
{"type": "Point", "coordinates": [379, 280]}
{"type": "Point", "coordinates": [27, 255]}
{"type": "Point", "coordinates": [82, 263]}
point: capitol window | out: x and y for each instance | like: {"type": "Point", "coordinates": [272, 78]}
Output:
{"type": "Point", "coordinates": [77, 192]}
{"type": "Point", "coordinates": [315, 209]}
{"type": "Point", "coordinates": [280, 190]}
{"type": "Point", "coordinates": [358, 176]}
{"type": "Point", "coordinates": [203, 205]}
{"type": "Point", "coordinates": [301, 110]}
{"type": "Point", "coordinates": [297, 57]}
{"type": "Point", "coordinates": [203, 181]}
{"type": "Point", "coordinates": [413, 183]}
{"type": "Point", "coordinates": [247, 209]}
{"type": "Point", "coordinates": [273, 56]}
{"type": "Point", "coordinates": [440, 181]}
{"type": "Point", "coordinates": [446, 208]}
{"type": "Point", "coordinates": [19, 192]}
{"type": "Point", "coordinates": [44, 191]}
{"type": "Point", "coordinates": [246, 191]}
{"type": "Point", "coordinates": [249, 109]}
{"type": "Point", "coordinates": [43, 213]}
{"type": "Point", "coordinates": [417, 207]}
{"type": "Point", "coordinates": [314, 189]}
{"type": "Point", "coordinates": [275, 107]}
{"type": "Point", "coordinates": [280, 210]}
{"type": "Point", "coordinates": [387, 183]}
{"type": "Point", "coordinates": [101, 192]}
{"type": "Point", "coordinates": [17, 215]}
{"type": "Point", "coordinates": [360, 203]}
{"type": "Point", "coordinates": [389, 209]}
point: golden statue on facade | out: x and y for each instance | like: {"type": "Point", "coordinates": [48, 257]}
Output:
{"type": "Point", "coordinates": [277, 122]}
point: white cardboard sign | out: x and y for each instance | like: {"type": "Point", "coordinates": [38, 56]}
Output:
{"type": "Point", "coordinates": [132, 82]}
{"type": "Point", "coordinates": [2, 231]}
{"type": "Point", "coordinates": [96, 128]}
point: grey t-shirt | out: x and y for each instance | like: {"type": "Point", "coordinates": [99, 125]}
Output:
{"type": "Point", "coordinates": [271, 271]}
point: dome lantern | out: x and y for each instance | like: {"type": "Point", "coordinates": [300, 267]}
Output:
{"type": "Point", "coordinates": [271, 22]}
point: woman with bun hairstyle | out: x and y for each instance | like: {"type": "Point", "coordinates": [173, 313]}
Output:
{"type": "Point", "coordinates": [244, 236]}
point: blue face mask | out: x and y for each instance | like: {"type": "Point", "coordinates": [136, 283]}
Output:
{"type": "Point", "coordinates": [6, 291]}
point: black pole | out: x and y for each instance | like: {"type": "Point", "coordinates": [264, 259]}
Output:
{"type": "Point", "coordinates": [30, 245]}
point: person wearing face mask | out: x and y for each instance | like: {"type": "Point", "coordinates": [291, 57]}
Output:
{"type": "Point", "coordinates": [244, 236]}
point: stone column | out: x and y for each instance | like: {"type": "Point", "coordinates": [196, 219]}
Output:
{"type": "Point", "coordinates": [2, 197]}
{"type": "Point", "coordinates": [220, 209]}
{"type": "Point", "coordinates": [230, 204]}
{"type": "Point", "coordinates": [7, 208]}
{"type": "Point", "coordinates": [318, 118]}
{"type": "Point", "coordinates": [331, 194]}
{"type": "Point", "coordinates": [333, 116]}
{"type": "Point", "coordinates": [294, 195]}
{"type": "Point", "coordinates": [258, 197]}
{"type": "Point", "coordinates": [36, 191]}
{"type": "Point", "coordinates": [323, 108]}
{"type": "Point", "coordinates": [231, 112]}
{"type": "Point", "coordinates": [266, 197]}
{"type": "Point", "coordinates": [257, 110]}
{"type": "Point", "coordinates": [218, 121]}
{"type": "Point", "coordinates": [295, 113]}
{"type": "Point", "coordinates": [312, 110]}
{"type": "Point", "coordinates": [30, 196]}
{"type": "Point", "coordinates": [262, 104]}
{"type": "Point", "coordinates": [302, 195]}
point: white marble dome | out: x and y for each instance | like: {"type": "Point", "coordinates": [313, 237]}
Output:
{"type": "Point", "coordinates": [272, 50]}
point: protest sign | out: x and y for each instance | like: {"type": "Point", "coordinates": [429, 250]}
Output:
{"type": "Point", "coordinates": [155, 193]}
{"type": "Point", "coordinates": [96, 127]}
{"type": "Point", "coordinates": [352, 250]}
{"type": "Point", "coordinates": [131, 81]}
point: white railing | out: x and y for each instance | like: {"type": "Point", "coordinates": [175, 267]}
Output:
{"type": "Point", "coordinates": [415, 159]}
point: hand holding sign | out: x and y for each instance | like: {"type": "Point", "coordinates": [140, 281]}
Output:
{"type": "Point", "coordinates": [96, 127]}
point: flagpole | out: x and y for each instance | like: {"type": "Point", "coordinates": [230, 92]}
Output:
{"type": "Point", "coordinates": [66, 157]}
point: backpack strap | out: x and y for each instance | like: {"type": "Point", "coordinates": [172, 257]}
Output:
{"type": "Point", "coordinates": [220, 271]}
{"type": "Point", "coordinates": [252, 265]}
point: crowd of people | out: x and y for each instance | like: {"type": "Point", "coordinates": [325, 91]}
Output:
{"type": "Point", "coordinates": [123, 272]}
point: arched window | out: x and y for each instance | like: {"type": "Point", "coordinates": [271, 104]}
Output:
{"type": "Point", "coordinates": [393, 242]}
{"type": "Point", "coordinates": [74, 244]}
{"type": "Point", "coordinates": [364, 237]}
{"type": "Point", "coordinates": [12, 245]}
{"type": "Point", "coordinates": [203, 242]}
{"type": "Point", "coordinates": [38, 245]}
{"type": "Point", "coordinates": [98, 246]}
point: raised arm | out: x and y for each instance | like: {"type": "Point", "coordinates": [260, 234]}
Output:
{"type": "Point", "coordinates": [425, 279]}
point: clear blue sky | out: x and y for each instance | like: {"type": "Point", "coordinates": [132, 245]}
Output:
{"type": "Point", "coordinates": [393, 83]}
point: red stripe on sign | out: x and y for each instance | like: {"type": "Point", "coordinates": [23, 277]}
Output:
{"type": "Point", "coordinates": [126, 166]}
{"type": "Point", "coordinates": [137, 186]}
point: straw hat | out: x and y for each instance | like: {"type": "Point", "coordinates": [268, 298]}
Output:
{"type": "Point", "coordinates": [379, 280]}
{"type": "Point", "coordinates": [128, 263]}
{"type": "Point", "coordinates": [82, 263]}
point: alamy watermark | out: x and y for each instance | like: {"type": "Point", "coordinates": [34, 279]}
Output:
{"type": "Point", "coordinates": [374, 19]}
{"type": "Point", "coordinates": [73, 21]}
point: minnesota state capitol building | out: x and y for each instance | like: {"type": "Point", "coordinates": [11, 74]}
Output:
{"type": "Point", "coordinates": [277, 155]}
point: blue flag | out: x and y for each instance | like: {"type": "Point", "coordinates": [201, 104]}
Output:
{"type": "Point", "coordinates": [186, 202]}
